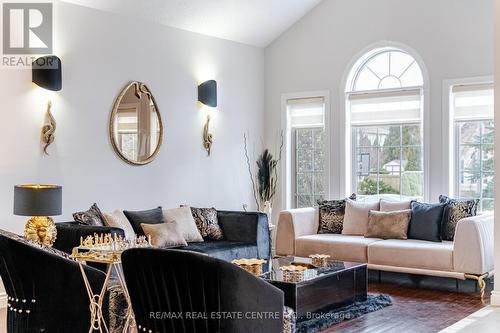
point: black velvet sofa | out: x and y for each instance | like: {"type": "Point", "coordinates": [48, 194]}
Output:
{"type": "Point", "coordinates": [246, 235]}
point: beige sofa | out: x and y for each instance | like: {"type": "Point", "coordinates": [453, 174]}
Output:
{"type": "Point", "coordinates": [469, 256]}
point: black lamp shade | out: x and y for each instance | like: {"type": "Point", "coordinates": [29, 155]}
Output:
{"type": "Point", "coordinates": [207, 93]}
{"type": "Point", "coordinates": [37, 200]}
{"type": "Point", "coordinates": [47, 72]}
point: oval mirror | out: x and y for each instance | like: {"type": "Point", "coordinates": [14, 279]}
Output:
{"type": "Point", "coordinates": [135, 128]}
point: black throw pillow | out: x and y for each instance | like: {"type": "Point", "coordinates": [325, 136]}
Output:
{"type": "Point", "coordinates": [426, 221]}
{"type": "Point", "coordinates": [152, 216]}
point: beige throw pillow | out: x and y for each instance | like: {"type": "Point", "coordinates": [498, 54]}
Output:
{"type": "Point", "coordinates": [185, 221]}
{"type": "Point", "coordinates": [164, 234]}
{"type": "Point", "coordinates": [390, 206]}
{"type": "Point", "coordinates": [356, 217]}
{"type": "Point", "coordinates": [117, 219]}
{"type": "Point", "coordinates": [389, 225]}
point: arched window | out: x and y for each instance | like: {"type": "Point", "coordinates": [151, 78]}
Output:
{"type": "Point", "coordinates": [385, 105]}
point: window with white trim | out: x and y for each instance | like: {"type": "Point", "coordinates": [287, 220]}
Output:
{"type": "Point", "coordinates": [385, 107]}
{"type": "Point", "coordinates": [306, 118]}
{"type": "Point", "coordinates": [474, 130]}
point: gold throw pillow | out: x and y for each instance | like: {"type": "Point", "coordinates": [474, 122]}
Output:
{"type": "Point", "coordinates": [164, 234]}
{"type": "Point", "coordinates": [388, 225]}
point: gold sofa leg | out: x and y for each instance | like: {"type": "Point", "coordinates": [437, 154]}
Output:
{"type": "Point", "coordinates": [480, 282]}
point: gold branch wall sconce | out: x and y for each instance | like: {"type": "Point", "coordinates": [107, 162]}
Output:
{"type": "Point", "coordinates": [207, 95]}
{"type": "Point", "coordinates": [47, 73]}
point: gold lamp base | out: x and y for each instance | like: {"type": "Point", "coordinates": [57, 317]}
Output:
{"type": "Point", "coordinates": [41, 229]}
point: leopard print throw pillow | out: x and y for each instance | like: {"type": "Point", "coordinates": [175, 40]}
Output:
{"type": "Point", "coordinates": [93, 216]}
{"type": "Point", "coordinates": [331, 215]}
{"type": "Point", "coordinates": [207, 223]}
{"type": "Point", "coordinates": [455, 210]}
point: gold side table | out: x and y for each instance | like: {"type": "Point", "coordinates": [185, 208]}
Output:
{"type": "Point", "coordinates": [112, 259]}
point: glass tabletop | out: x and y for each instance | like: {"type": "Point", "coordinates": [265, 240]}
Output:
{"type": "Point", "coordinates": [273, 272]}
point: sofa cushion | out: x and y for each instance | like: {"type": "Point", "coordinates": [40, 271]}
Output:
{"type": "Point", "coordinates": [331, 215]}
{"type": "Point", "coordinates": [455, 210]}
{"type": "Point", "coordinates": [117, 219]}
{"type": "Point", "coordinates": [92, 216]}
{"type": "Point", "coordinates": [136, 218]}
{"type": "Point", "coordinates": [390, 206]}
{"type": "Point", "coordinates": [340, 247]}
{"type": "Point", "coordinates": [356, 217]}
{"type": "Point", "coordinates": [426, 220]}
{"type": "Point", "coordinates": [388, 225]}
{"type": "Point", "coordinates": [226, 250]}
{"type": "Point", "coordinates": [164, 235]}
{"type": "Point", "coordinates": [185, 221]}
{"type": "Point", "coordinates": [412, 253]}
{"type": "Point", "coordinates": [207, 223]}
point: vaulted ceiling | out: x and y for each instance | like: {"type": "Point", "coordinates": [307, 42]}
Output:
{"type": "Point", "coordinates": [253, 22]}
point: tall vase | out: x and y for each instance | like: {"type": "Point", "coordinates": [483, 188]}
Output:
{"type": "Point", "coordinates": [268, 210]}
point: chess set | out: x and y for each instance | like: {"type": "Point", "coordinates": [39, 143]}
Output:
{"type": "Point", "coordinates": [107, 248]}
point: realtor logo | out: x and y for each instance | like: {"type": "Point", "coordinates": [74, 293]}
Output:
{"type": "Point", "coordinates": [27, 28]}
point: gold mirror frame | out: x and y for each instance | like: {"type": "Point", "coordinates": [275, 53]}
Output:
{"type": "Point", "coordinates": [141, 88]}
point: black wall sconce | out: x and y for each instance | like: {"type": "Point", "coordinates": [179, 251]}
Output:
{"type": "Point", "coordinates": [207, 95]}
{"type": "Point", "coordinates": [46, 72]}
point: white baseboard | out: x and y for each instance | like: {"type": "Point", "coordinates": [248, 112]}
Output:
{"type": "Point", "coordinates": [3, 300]}
{"type": "Point", "coordinates": [495, 298]}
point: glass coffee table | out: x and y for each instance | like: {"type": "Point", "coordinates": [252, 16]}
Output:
{"type": "Point", "coordinates": [335, 285]}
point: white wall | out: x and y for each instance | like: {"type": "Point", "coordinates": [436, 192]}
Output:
{"type": "Point", "coordinates": [101, 53]}
{"type": "Point", "coordinates": [454, 38]}
{"type": "Point", "coordinates": [495, 295]}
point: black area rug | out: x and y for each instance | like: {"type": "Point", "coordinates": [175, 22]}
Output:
{"type": "Point", "coordinates": [325, 319]}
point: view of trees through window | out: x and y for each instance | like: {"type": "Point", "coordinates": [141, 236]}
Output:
{"type": "Point", "coordinates": [389, 161]}
{"type": "Point", "coordinates": [384, 101]}
{"type": "Point", "coordinates": [475, 161]}
{"type": "Point", "coordinates": [310, 161]}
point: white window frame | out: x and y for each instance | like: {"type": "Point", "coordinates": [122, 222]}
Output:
{"type": "Point", "coordinates": [354, 157]}
{"type": "Point", "coordinates": [450, 165]}
{"type": "Point", "coordinates": [287, 186]}
{"type": "Point", "coordinates": [345, 131]}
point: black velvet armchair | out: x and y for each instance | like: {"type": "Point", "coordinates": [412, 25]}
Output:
{"type": "Point", "coordinates": [182, 291]}
{"type": "Point", "coordinates": [46, 292]}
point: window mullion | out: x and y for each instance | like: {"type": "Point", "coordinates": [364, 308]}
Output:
{"type": "Point", "coordinates": [401, 162]}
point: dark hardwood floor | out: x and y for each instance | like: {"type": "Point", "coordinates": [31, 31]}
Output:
{"type": "Point", "coordinates": [420, 305]}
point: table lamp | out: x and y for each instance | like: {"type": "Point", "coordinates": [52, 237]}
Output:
{"type": "Point", "coordinates": [40, 202]}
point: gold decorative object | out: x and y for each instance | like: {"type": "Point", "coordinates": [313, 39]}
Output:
{"type": "Point", "coordinates": [253, 265]}
{"type": "Point", "coordinates": [41, 229]}
{"type": "Point", "coordinates": [135, 126]}
{"type": "Point", "coordinates": [40, 202]}
{"type": "Point", "coordinates": [480, 282]}
{"type": "Point", "coordinates": [293, 273]}
{"type": "Point", "coordinates": [106, 248]}
{"type": "Point", "coordinates": [49, 129]}
{"type": "Point", "coordinates": [319, 260]}
{"type": "Point", "coordinates": [208, 138]}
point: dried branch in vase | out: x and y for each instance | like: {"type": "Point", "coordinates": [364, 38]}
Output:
{"type": "Point", "coordinates": [265, 179]}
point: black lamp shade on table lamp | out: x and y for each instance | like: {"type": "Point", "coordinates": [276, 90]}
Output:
{"type": "Point", "coordinates": [40, 202]}
{"type": "Point", "coordinates": [46, 72]}
{"type": "Point", "coordinates": [207, 93]}
{"type": "Point", "coordinates": [37, 200]}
